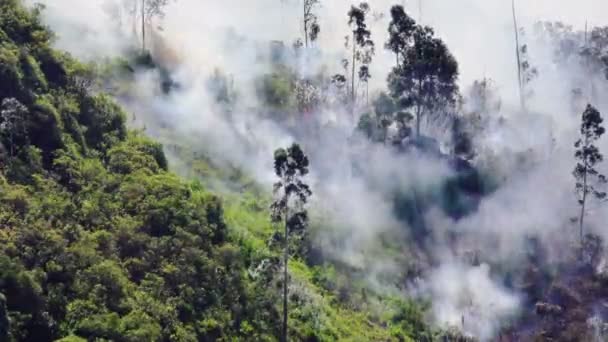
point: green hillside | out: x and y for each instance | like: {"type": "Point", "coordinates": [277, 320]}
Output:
{"type": "Point", "coordinates": [100, 241]}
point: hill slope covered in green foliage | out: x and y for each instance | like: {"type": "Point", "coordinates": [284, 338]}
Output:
{"type": "Point", "coordinates": [99, 241]}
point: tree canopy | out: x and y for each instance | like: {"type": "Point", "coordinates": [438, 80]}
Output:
{"type": "Point", "coordinates": [425, 76]}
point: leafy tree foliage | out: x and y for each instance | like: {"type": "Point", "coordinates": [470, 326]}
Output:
{"type": "Point", "coordinates": [588, 156]}
{"type": "Point", "coordinates": [307, 95]}
{"type": "Point", "coordinates": [277, 90]}
{"type": "Point", "coordinates": [12, 127]}
{"type": "Point", "coordinates": [386, 124]}
{"type": "Point", "coordinates": [400, 30]}
{"type": "Point", "coordinates": [482, 104]}
{"type": "Point", "coordinates": [425, 77]}
{"type": "Point", "coordinates": [596, 50]}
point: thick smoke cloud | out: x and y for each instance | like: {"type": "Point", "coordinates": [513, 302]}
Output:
{"type": "Point", "coordinates": [535, 198]}
{"type": "Point", "coordinates": [474, 303]}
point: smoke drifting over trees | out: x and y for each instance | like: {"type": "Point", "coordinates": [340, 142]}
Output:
{"type": "Point", "coordinates": [439, 187]}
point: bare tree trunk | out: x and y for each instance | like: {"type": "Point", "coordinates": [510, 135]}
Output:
{"type": "Point", "coordinates": [418, 119]}
{"type": "Point", "coordinates": [418, 111]}
{"type": "Point", "coordinates": [517, 55]}
{"type": "Point", "coordinates": [353, 76]}
{"type": "Point", "coordinates": [583, 202]}
{"type": "Point", "coordinates": [12, 127]}
{"type": "Point", "coordinates": [591, 96]}
{"type": "Point", "coordinates": [285, 280]}
{"type": "Point", "coordinates": [305, 25]}
{"type": "Point", "coordinates": [582, 217]}
{"type": "Point", "coordinates": [134, 14]}
{"type": "Point", "coordinates": [143, 26]}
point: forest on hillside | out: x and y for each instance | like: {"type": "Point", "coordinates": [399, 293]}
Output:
{"type": "Point", "coordinates": [302, 170]}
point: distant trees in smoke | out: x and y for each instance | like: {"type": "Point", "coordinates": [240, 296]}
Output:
{"type": "Point", "coordinates": [421, 86]}
{"type": "Point", "coordinates": [142, 14]}
{"type": "Point", "coordinates": [589, 180]}
{"type": "Point", "coordinates": [362, 46]}
{"type": "Point", "coordinates": [584, 49]}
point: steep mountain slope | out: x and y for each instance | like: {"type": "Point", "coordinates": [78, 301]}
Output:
{"type": "Point", "coordinates": [100, 242]}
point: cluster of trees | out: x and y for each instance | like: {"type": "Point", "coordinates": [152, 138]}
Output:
{"type": "Point", "coordinates": [424, 79]}
{"type": "Point", "coordinates": [362, 49]}
{"type": "Point", "coordinates": [589, 181]}
{"type": "Point", "coordinates": [585, 50]}
{"type": "Point", "coordinates": [422, 86]}
{"type": "Point", "coordinates": [141, 17]}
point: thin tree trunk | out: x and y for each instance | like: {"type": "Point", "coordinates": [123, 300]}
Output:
{"type": "Point", "coordinates": [305, 26]}
{"type": "Point", "coordinates": [581, 219]}
{"type": "Point", "coordinates": [586, 46]}
{"type": "Point", "coordinates": [134, 14]}
{"type": "Point", "coordinates": [143, 26]}
{"type": "Point", "coordinates": [583, 202]}
{"type": "Point", "coordinates": [517, 55]}
{"type": "Point", "coordinates": [12, 127]}
{"type": "Point", "coordinates": [418, 118]}
{"type": "Point", "coordinates": [591, 95]}
{"type": "Point", "coordinates": [285, 279]}
{"type": "Point", "coordinates": [353, 75]}
{"type": "Point", "coordinates": [418, 111]}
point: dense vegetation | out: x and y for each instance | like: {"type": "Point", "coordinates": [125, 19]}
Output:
{"type": "Point", "coordinates": [98, 239]}
{"type": "Point", "coordinates": [100, 242]}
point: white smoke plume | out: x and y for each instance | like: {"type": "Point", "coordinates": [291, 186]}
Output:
{"type": "Point", "coordinates": [467, 298]}
{"type": "Point", "coordinates": [199, 37]}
